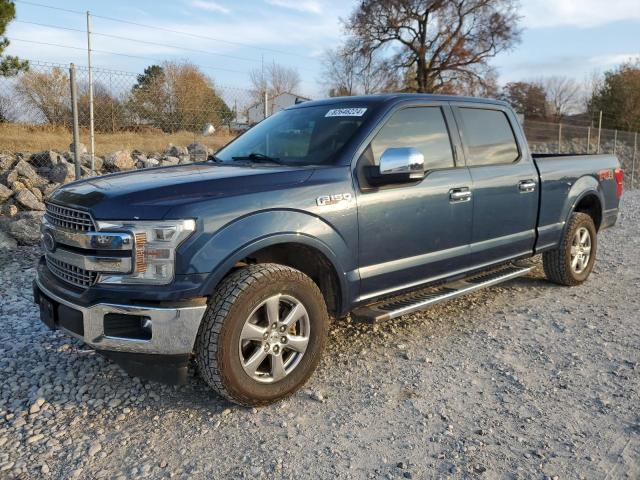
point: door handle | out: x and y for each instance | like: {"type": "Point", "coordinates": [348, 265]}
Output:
{"type": "Point", "coordinates": [459, 194]}
{"type": "Point", "coordinates": [527, 186]}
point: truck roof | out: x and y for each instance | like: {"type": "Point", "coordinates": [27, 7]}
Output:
{"type": "Point", "coordinates": [398, 97]}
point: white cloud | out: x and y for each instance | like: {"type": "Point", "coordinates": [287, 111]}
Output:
{"type": "Point", "coordinates": [210, 6]}
{"type": "Point", "coordinates": [308, 6]}
{"type": "Point", "coordinates": [578, 13]}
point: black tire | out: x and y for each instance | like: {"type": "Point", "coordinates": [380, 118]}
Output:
{"type": "Point", "coordinates": [218, 344]}
{"type": "Point", "coordinates": [557, 263]}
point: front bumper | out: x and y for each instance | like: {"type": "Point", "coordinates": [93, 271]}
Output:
{"type": "Point", "coordinates": [173, 331]}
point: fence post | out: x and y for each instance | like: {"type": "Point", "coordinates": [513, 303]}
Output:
{"type": "Point", "coordinates": [92, 141]}
{"type": "Point", "coordinates": [559, 138]}
{"type": "Point", "coordinates": [633, 162]}
{"type": "Point", "coordinates": [588, 139]}
{"type": "Point", "coordinates": [74, 110]}
{"type": "Point", "coordinates": [266, 104]}
{"type": "Point", "coordinates": [599, 131]}
{"type": "Point", "coordinates": [615, 141]}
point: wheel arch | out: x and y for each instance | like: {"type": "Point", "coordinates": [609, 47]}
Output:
{"type": "Point", "coordinates": [302, 252]}
{"type": "Point", "coordinates": [591, 204]}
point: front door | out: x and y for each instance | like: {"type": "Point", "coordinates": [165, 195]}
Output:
{"type": "Point", "coordinates": [505, 184]}
{"type": "Point", "coordinates": [415, 232]}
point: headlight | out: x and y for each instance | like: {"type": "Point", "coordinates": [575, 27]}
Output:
{"type": "Point", "coordinates": [155, 249]}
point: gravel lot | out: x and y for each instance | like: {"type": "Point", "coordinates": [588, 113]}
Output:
{"type": "Point", "coordinates": [525, 380]}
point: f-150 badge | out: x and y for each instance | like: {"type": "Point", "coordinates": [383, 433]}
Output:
{"type": "Point", "coordinates": [326, 200]}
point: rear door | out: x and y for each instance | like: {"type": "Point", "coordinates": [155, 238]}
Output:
{"type": "Point", "coordinates": [414, 232]}
{"type": "Point", "coordinates": [505, 183]}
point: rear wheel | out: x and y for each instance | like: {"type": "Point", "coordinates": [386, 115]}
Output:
{"type": "Point", "coordinates": [262, 335]}
{"type": "Point", "coordinates": [572, 262]}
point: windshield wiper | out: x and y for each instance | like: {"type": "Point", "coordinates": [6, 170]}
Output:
{"type": "Point", "coordinates": [258, 158]}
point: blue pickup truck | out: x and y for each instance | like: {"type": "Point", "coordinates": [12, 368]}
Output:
{"type": "Point", "coordinates": [373, 206]}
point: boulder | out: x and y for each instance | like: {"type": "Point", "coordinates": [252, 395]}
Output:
{"type": "Point", "coordinates": [36, 193]}
{"type": "Point", "coordinates": [197, 148]}
{"type": "Point", "coordinates": [118, 161]}
{"type": "Point", "coordinates": [49, 189]}
{"type": "Point", "coordinates": [150, 162]}
{"type": "Point", "coordinates": [85, 161]}
{"type": "Point", "coordinates": [5, 193]}
{"type": "Point", "coordinates": [9, 210]}
{"type": "Point", "coordinates": [17, 186]}
{"type": "Point", "coordinates": [184, 159]}
{"type": "Point", "coordinates": [26, 230]}
{"type": "Point", "coordinates": [6, 241]}
{"type": "Point", "coordinates": [28, 200]}
{"type": "Point", "coordinates": [175, 150]}
{"type": "Point", "coordinates": [169, 160]}
{"type": "Point", "coordinates": [7, 161]}
{"type": "Point", "coordinates": [82, 148]}
{"type": "Point", "coordinates": [46, 159]}
{"type": "Point", "coordinates": [23, 169]}
{"type": "Point", "coordinates": [62, 173]}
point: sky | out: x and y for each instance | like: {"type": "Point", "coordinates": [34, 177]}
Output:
{"type": "Point", "coordinates": [230, 38]}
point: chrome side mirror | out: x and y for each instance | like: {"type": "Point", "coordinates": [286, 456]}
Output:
{"type": "Point", "coordinates": [406, 161]}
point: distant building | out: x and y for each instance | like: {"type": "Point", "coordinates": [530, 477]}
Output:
{"type": "Point", "coordinates": [255, 113]}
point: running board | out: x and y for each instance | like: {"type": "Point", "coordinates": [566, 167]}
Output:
{"type": "Point", "coordinates": [423, 299]}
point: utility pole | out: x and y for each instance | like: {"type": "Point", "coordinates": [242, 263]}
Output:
{"type": "Point", "coordinates": [74, 110]}
{"type": "Point", "coordinates": [92, 140]}
{"type": "Point", "coordinates": [588, 139]}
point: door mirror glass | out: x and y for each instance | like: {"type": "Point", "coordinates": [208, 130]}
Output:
{"type": "Point", "coordinates": [405, 162]}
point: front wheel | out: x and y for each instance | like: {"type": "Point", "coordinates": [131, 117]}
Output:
{"type": "Point", "coordinates": [262, 335]}
{"type": "Point", "coordinates": [571, 263]}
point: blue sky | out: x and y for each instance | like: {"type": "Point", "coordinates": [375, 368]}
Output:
{"type": "Point", "coordinates": [561, 37]}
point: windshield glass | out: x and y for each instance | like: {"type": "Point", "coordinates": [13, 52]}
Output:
{"type": "Point", "coordinates": [300, 136]}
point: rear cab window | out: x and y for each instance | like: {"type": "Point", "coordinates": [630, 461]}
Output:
{"type": "Point", "coordinates": [488, 137]}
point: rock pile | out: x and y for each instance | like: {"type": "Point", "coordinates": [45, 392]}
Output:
{"type": "Point", "coordinates": [27, 179]}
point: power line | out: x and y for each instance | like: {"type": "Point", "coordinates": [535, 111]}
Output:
{"type": "Point", "coordinates": [14, 39]}
{"type": "Point", "coordinates": [178, 32]}
{"type": "Point", "coordinates": [118, 37]}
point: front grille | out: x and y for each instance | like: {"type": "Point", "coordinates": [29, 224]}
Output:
{"type": "Point", "coordinates": [71, 274]}
{"type": "Point", "coordinates": [69, 218]}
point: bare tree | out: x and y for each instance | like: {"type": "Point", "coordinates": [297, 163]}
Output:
{"type": "Point", "coordinates": [274, 79]}
{"type": "Point", "coordinates": [436, 41]}
{"type": "Point", "coordinates": [563, 94]}
{"type": "Point", "coordinates": [47, 93]}
{"type": "Point", "coordinates": [348, 72]}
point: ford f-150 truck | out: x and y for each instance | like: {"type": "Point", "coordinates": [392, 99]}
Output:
{"type": "Point", "coordinates": [374, 206]}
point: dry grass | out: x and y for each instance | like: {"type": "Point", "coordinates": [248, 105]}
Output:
{"type": "Point", "coordinates": [36, 138]}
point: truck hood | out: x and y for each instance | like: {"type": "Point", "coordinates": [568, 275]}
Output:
{"type": "Point", "coordinates": [149, 194]}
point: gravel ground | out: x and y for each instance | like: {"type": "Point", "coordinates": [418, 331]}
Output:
{"type": "Point", "coordinates": [525, 380]}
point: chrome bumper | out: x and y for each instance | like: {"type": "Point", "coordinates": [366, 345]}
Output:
{"type": "Point", "coordinates": [174, 330]}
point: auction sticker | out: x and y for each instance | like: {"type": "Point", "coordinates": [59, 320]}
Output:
{"type": "Point", "coordinates": [346, 112]}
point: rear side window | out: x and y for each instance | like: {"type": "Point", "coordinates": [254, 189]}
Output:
{"type": "Point", "coordinates": [488, 136]}
{"type": "Point", "coordinates": [423, 128]}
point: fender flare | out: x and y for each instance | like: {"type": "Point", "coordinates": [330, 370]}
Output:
{"type": "Point", "coordinates": [244, 236]}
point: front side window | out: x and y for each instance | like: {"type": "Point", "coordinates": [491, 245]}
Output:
{"type": "Point", "coordinates": [423, 128]}
{"type": "Point", "coordinates": [489, 137]}
{"type": "Point", "coordinates": [299, 136]}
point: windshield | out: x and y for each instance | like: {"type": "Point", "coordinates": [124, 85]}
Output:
{"type": "Point", "coordinates": [300, 136]}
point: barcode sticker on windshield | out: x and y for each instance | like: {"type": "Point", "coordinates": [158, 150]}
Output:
{"type": "Point", "coordinates": [346, 112]}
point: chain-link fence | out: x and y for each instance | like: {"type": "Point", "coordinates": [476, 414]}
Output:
{"type": "Point", "coordinates": [166, 104]}
{"type": "Point", "coordinates": [170, 103]}
{"type": "Point", "coordinates": [545, 137]}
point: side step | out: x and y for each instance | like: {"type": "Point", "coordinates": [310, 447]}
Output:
{"type": "Point", "coordinates": [422, 299]}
